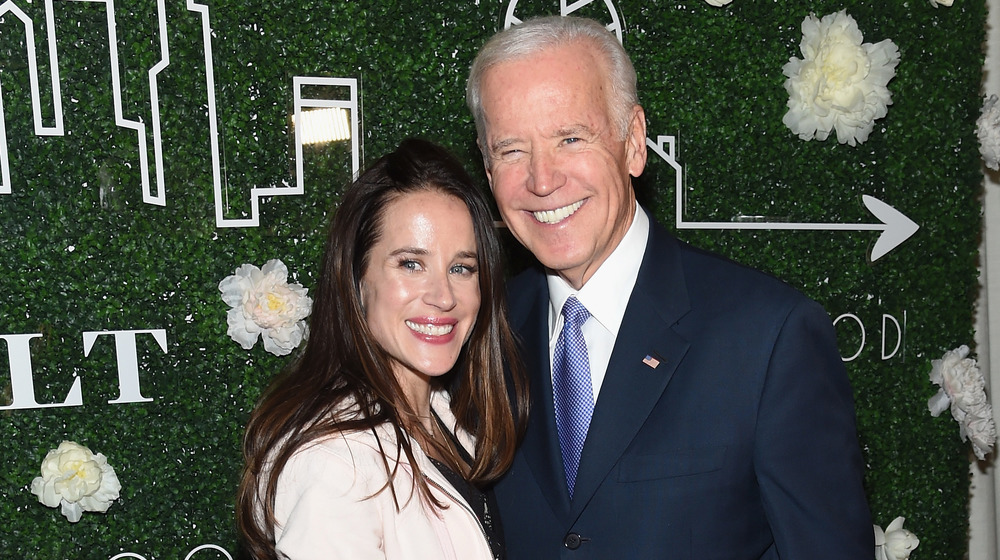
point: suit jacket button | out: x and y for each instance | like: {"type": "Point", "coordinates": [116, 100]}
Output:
{"type": "Point", "coordinates": [572, 541]}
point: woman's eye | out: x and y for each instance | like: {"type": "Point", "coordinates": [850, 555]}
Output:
{"type": "Point", "coordinates": [409, 265]}
{"type": "Point", "coordinates": [463, 269]}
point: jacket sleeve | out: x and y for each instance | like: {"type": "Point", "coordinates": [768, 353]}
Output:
{"type": "Point", "coordinates": [807, 457]}
{"type": "Point", "coordinates": [325, 509]}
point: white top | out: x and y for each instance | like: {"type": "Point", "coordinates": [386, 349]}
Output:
{"type": "Point", "coordinates": [605, 296]}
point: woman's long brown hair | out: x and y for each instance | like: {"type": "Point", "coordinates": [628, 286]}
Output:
{"type": "Point", "coordinates": [342, 363]}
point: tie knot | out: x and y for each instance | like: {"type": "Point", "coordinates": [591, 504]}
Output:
{"type": "Point", "coordinates": [574, 312]}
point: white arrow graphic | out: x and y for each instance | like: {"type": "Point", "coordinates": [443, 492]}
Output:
{"type": "Point", "coordinates": [894, 225]}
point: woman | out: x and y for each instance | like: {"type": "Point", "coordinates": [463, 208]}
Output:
{"type": "Point", "coordinates": [377, 440]}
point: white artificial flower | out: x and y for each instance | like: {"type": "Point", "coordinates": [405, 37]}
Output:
{"type": "Point", "coordinates": [265, 305]}
{"type": "Point", "coordinates": [879, 543]}
{"type": "Point", "coordinates": [979, 428]}
{"type": "Point", "coordinates": [76, 479]}
{"type": "Point", "coordinates": [896, 543]}
{"type": "Point", "coordinates": [839, 83]}
{"type": "Point", "coordinates": [963, 389]}
{"type": "Point", "coordinates": [988, 131]}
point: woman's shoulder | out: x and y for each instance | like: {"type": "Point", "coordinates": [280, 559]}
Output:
{"type": "Point", "coordinates": [347, 442]}
{"type": "Point", "coordinates": [352, 459]}
{"type": "Point", "coordinates": [352, 445]}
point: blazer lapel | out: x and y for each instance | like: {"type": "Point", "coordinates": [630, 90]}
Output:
{"type": "Point", "coordinates": [632, 386]}
{"type": "Point", "coordinates": [540, 447]}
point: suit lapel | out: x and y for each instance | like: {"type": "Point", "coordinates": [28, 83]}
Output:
{"type": "Point", "coordinates": [540, 447]}
{"type": "Point", "coordinates": [631, 387]}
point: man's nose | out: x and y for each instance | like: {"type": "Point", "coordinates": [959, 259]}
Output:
{"type": "Point", "coordinates": [544, 174]}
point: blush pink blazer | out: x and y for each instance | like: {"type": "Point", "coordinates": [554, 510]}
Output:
{"type": "Point", "coordinates": [329, 504]}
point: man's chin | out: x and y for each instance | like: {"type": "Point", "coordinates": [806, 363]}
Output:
{"type": "Point", "coordinates": [572, 272]}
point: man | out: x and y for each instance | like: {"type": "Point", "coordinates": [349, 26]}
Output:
{"type": "Point", "coordinates": [715, 418]}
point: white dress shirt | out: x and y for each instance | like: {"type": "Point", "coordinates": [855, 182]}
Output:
{"type": "Point", "coordinates": [605, 296]}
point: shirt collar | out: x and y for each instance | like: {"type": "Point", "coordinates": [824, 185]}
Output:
{"type": "Point", "coordinates": [607, 292]}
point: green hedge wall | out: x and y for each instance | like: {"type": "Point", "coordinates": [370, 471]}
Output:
{"type": "Point", "coordinates": [82, 252]}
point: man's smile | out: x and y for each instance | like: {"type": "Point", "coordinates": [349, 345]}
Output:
{"type": "Point", "coordinates": [557, 215]}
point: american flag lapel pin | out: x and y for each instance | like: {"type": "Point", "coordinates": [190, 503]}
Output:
{"type": "Point", "coordinates": [651, 361]}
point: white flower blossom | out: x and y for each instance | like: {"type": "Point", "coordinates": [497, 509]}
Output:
{"type": "Point", "coordinates": [718, 3]}
{"type": "Point", "coordinates": [839, 83]}
{"type": "Point", "coordinates": [937, 3]}
{"type": "Point", "coordinates": [265, 305]}
{"type": "Point", "coordinates": [963, 389]}
{"type": "Point", "coordinates": [988, 130]}
{"type": "Point", "coordinates": [76, 479]}
{"type": "Point", "coordinates": [896, 543]}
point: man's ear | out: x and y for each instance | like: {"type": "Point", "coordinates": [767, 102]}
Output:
{"type": "Point", "coordinates": [635, 142]}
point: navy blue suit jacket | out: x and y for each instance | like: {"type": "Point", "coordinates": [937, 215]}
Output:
{"type": "Point", "coordinates": [740, 444]}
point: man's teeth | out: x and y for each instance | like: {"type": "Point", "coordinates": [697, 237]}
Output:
{"type": "Point", "coordinates": [432, 330]}
{"type": "Point", "coordinates": [557, 215]}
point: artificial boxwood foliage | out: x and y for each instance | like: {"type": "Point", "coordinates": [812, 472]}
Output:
{"type": "Point", "coordinates": [81, 251]}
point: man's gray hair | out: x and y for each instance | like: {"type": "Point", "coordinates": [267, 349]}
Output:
{"type": "Point", "coordinates": [538, 34]}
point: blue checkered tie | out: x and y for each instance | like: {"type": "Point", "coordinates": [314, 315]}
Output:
{"type": "Point", "coordinates": [574, 395]}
